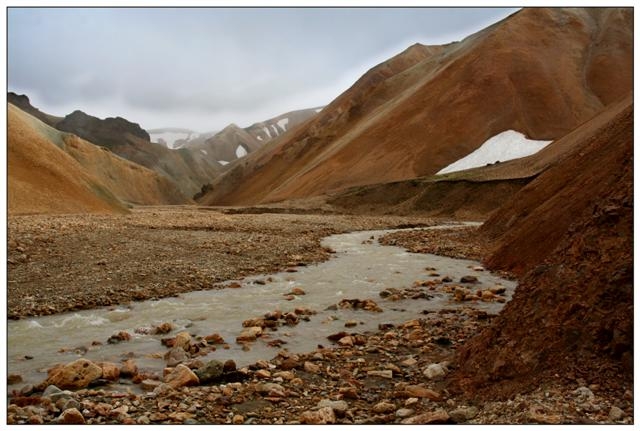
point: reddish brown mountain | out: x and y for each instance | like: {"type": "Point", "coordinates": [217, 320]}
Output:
{"type": "Point", "coordinates": [541, 72]}
{"type": "Point", "coordinates": [54, 172]}
{"type": "Point", "coordinates": [570, 234]}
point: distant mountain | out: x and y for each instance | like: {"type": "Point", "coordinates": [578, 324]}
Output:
{"type": "Point", "coordinates": [174, 138]}
{"type": "Point", "coordinates": [50, 171]}
{"type": "Point", "coordinates": [540, 72]}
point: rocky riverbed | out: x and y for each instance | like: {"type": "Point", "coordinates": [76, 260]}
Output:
{"type": "Point", "coordinates": [397, 374]}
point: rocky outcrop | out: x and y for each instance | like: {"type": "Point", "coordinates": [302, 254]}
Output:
{"type": "Point", "coordinates": [109, 133]}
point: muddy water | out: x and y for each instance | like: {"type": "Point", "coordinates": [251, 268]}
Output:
{"type": "Point", "coordinates": [360, 268]}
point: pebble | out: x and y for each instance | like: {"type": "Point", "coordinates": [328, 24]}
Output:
{"type": "Point", "coordinates": [237, 419]}
{"type": "Point", "coordinates": [463, 414]}
{"type": "Point", "coordinates": [71, 417]}
{"type": "Point", "coordinates": [322, 416]}
{"type": "Point", "coordinates": [311, 368]}
{"type": "Point", "coordinates": [339, 407]}
{"type": "Point", "coordinates": [616, 414]}
{"type": "Point", "coordinates": [434, 371]}
{"type": "Point", "coordinates": [437, 417]}
{"type": "Point", "coordinates": [384, 407]}
{"type": "Point", "coordinates": [404, 413]}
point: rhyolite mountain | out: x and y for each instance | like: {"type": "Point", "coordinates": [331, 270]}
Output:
{"type": "Point", "coordinates": [541, 72]}
{"type": "Point", "coordinates": [50, 171]}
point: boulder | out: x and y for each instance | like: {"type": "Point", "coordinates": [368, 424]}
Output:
{"type": "Point", "coordinates": [74, 375]}
{"type": "Point", "coordinates": [181, 376]}
{"type": "Point", "coordinates": [210, 372]}
{"type": "Point", "coordinates": [71, 417]}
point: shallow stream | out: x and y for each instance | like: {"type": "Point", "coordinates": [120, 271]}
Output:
{"type": "Point", "coordinates": [359, 269]}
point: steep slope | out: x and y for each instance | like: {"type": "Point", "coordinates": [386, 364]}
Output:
{"type": "Point", "coordinates": [42, 178]}
{"type": "Point", "coordinates": [571, 317]}
{"type": "Point", "coordinates": [234, 142]}
{"type": "Point", "coordinates": [187, 169]}
{"type": "Point", "coordinates": [476, 193]}
{"type": "Point", "coordinates": [51, 171]}
{"type": "Point", "coordinates": [539, 72]}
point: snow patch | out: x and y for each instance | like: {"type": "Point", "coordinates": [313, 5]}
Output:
{"type": "Point", "coordinates": [259, 138]}
{"type": "Point", "coordinates": [223, 162]}
{"type": "Point", "coordinates": [507, 145]}
{"type": "Point", "coordinates": [204, 152]}
{"type": "Point", "coordinates": [319, 109]}
{"type": "Point", "coordinates": [267, 132]}
{"type": "Point", "coordinates": [275, 130]}
{"type": "Point", "coordinates": [283, 123]}
{"type": "Point", "coordinates": [240, 151]}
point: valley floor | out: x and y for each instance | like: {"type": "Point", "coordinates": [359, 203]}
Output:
{"type": "Point", "coordinates": [61, 263]}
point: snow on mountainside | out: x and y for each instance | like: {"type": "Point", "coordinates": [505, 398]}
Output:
{"type": "Point", "coordinates": [504, 146]}
{"type": "Point", "coordinates": [174, 138]}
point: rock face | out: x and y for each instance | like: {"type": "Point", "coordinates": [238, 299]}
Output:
{"type": "Point", "coordinates": [541, 72]}
{"type": "Point", "coordinates": [75, 375]}
{"type": "Point", "coordinates": [572, 313]}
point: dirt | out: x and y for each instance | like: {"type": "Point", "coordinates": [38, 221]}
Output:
{"type": "Point", "coordinates": [68, 262]}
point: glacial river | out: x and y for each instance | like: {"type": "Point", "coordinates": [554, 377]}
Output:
{"type": "Point", "coordinates": [360, 269]}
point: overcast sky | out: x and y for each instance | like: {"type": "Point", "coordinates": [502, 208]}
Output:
{"type": "Point", "coordinates": [205, 68]}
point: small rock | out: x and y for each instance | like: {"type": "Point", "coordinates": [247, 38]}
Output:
{"type": "Point", "coordinates": [478, 268]}
{"type": "Point", "coordinates": [110, 371]}
{"type": "Point", "coordinates": [229, 366]}
{"type": "Point", "coordinates": [262, 374]}
{"type": "Point", "coordinates": [411, 401]}
{"type": "Point", "coordinates": [351, 323]}
{"type": "Point", "coordinates": [346, 341]}
{"type": "Point", "coordinates": [181, 376]}
{"type": "Point", "coordinates": [421, 392]}
{"type": "Point", "coordinates": [404, 413]}
{"type": "Point", "coordinates": [339, 407]}
{"type": "Point", "coordinates": [322, 416]}
{"type": "Point", "coordinates": [163, 328]}
{"type": "Point", "coordinates": [386, 374]}
{"type": "Point", "coordinates": [129, 368]}
{"type": "Point", "coordinates": [210, 372]}
{"type": "Point", "coordinates": [463, 414]}
{"type": "Point", "coordinates": [497, 290]}
{"type": "Point", "coordinates": [311, 368]}
{"type": "Point", "coordinates": [583, 394]}
{"type": "Point", "coordinates": [249, 334]}
{"type": "Point", "coordinates": [51, 389]}
{"type": "Point", "coordinates": [119, 337]}
{"type": "Point", "coordinates": [143, 420]}
{"type": "Point", "coordinates": [409, 362]}
{"type": "Point", "coordinates": [384, 407]}
{"type": "Point", "coordinates": [36, 420]}
{"type": "Point", "coordinates": [71, 417]}
{"type": "Point", "coordinates": [14, 379]}
{"type": "Point", "coordinates": [469, 279]}
{"type": "Point", "coordinates": [270, 389]}
{"type": "Point", "coordinates": [182, 340]}
{"type": "Point", "coordinates": [298, 291]}
{"type": "Point", "coordinates": [149, 384]}
{"type": "Point", "coordinates": [176, 356]}
{"type": "Point", "coordinates": [214, 339]}
{"type": "Point", "coordinates": [437, 417]}
{"type": "Point", "coordinates": [615, 414]}
{"type": "Point", "coordinates": [237, 419]}
{"type": "Point", "coordinates": [434, 371]}
{"type": "Point", "coordinates": [349, 392]}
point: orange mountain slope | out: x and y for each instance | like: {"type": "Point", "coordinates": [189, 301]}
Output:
{"type": "Point", "coordinates": [541, 72]}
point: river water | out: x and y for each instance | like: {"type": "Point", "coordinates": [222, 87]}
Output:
{"type": "Point", "coordinates": [359, 269]}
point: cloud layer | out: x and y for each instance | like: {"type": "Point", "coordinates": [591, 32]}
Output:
{"type": "Point", "coordinates": [204, 68]}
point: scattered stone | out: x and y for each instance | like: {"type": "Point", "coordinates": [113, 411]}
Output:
{"type": "Point", "coordinates": [14, 379]}
{"type": "Point", "coordinates": [437, 417]}
{"type": "Point", "coordinates": [270, 389]}
{"type": "Point", "coordinates": [434, 371]}
{"type": "Point", "coordinates": [366, 304]}
{"type": "Point", "coordinates": [297, 291]}
{"type": "Point", "coordinates": [419, 391]}
{"type": "Point", "coordinates": [214, 339]}
{"type": "Point", "coordinates": [163, 328]}
{"type": "Point", "coordinates": [75, 375]}
{"type": "Point", "coordinates": [404, 413]}
{"type": "Point", "coordinates": [339, 407]}
{"type": "Point", "coordinates": [583, 394]}
{"type": "Point", "coordinates": [351, 323]}
{"type": "Point", "coordinates": [249, 334]}
{"type": "Point", "coordinates": [615, 414]}
{"type": "Point", "coordinates": [150, 384]}
{"type": "Point", "coordinates": [129, 368]}
{"type": "Point", "coordinates": [311, 368]}
{"type": "Point", "coordinates": [384, 407]}
{"type": "Point", "coordinates": [237, 419]}
{"type": "Point", "coordinates": [210, 372]}
{"type": "Point", "coordinates": [50, 390]}
{"type": "Point", "coordinates": [386, 374]}
{"type": "Point", "coordinates": [175, 356]}
{"type": "Point", "coordinates": [229, 366]}
{"type": "Point", "coordinates": [119, 337]}
{"type": "Point", "coordinates": [110, 371]}
{"type": "Point", "coordinates": [181, 376]}
{"type": "Point", "coordinates": [463, 414]}
{"type": "Point", "coordinates": [262, 374]}
{"type": "Point", "coordinates": [182, 340]}
{"type": "Point", "coordinates": [36, 420]}
{"type": "Point", "coordinates": [71, 417]}
{"type": "Point", "coordinates": [322, 416]}
{"type": "Point", "coordinates": [470, 279]}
